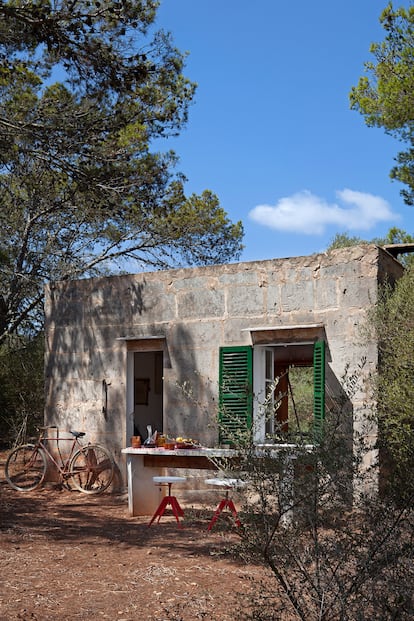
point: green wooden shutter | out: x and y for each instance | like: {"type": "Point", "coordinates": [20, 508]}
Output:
{"type": "Point", "coordinates": [235, 391]}
{"type": "Point", "coordinates": [318, 389]}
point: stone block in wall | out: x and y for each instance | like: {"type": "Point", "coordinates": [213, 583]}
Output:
{"type": "Point", "coordinates": [360, 292]}
{"type": "Point", "coordinates": [107, 364]}
{"type": "Point", "coordinates": [201, 303]}
{"type": "Point", "coordinates": [158, 307]}
{"type": "Point", "coordinates": [63, 340]}
{"type": "Point", "coordinates": [70, 364]}
{"type": "Point", "coordinates": [245, 301]}
{"type": "Point", "coordinates": [119, 310]}
{"type": "Point", "coordinates": [195, 365]}
{"type": "Point", "coordinates": [326, 294]}
{"type": "Point", "coordinates": [234, 277]}
{"type": "Point", "coordinates": [64, 304]}
{"type": "Point", "coordinates": [351, 260]}
{"type": "Point", "coordinates": [342, 324]}
{"type": "Point", "coordinates": [101, 337]}
{"type": "Point", "coordinates": [297, 296]}
{"type": "Point", "coordinates": [274, 299]}
{"type": "Point", "coordinates": [235, 332]}
{"type": "Point", "coordinates": [195, 334]}
{"type": "Point", "coordinates": [296, 272]}
{"type": "Point", "coordinates": [192, 282]}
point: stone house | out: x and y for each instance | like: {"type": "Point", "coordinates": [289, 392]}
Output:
{"type": "Point", "coordinates": [173, 349]}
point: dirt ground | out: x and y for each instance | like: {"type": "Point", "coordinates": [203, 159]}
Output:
{"type": "Point", "coordinates": [66, 555]}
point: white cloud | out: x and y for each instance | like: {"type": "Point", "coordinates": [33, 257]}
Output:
{"type": "Point", "coordinates": [304, 212]}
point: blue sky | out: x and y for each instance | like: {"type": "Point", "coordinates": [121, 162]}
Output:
{"type": "Point", "coordinates": [271, 132]}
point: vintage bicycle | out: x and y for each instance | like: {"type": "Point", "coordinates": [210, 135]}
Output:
{"type": "Point", "coordinates": [89, 468]}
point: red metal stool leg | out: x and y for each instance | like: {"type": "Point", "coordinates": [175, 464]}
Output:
{"type": "Point", "coordinates": [165, 502]}
{"type": "Point", "coordinates": [232, 508]}
{"type": "Point", "coordinates": [160, 510]}
{"type": "Point", "coordinates": [224, 503]}
{"type": "Point", "coordinates": [217, 513]}
{"type": "Point", "coordinates": [176, 509]}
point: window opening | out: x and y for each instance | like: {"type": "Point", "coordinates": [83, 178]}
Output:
{"type": "Point", "coordinates": [289, 395]}
{"type": "Point", "coordinates": [295, 414]}
{"type": "Point", "coordinates": [284, 387]}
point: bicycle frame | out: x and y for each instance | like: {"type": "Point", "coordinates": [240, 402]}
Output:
{"type": "Point", "coordinates": [63, 466]}
{"type": "Point", "coordinates": [87, 467]}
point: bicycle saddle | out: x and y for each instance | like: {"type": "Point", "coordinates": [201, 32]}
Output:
{"type": "Point", "coordinates": [78, 434]}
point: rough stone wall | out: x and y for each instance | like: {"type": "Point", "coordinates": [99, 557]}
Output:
{"type": "Point", "coordinates": [198, 310]}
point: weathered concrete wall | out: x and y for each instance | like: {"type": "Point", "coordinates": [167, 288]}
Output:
{"type": "Point", "coordinates": [198, 310]}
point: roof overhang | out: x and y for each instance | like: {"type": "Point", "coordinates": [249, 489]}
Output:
{"type": "Point", "coordinates": [143, 343]}
{"type": "Point", "coordinates": [303, 334]}
{"type": "Point", "coordinates": [396, 249]}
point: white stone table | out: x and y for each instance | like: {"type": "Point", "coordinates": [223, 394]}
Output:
{"type": "Point", "coordinates": [145, 463]}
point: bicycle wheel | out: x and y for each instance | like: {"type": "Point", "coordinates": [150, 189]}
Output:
{"type": "Point", "coordinates": [92, 469]}
{"type": "Point", "coordinates": [26, 468]}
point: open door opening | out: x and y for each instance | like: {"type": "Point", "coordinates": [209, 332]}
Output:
{"type": "Point", "coordinates": [147, 389]}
